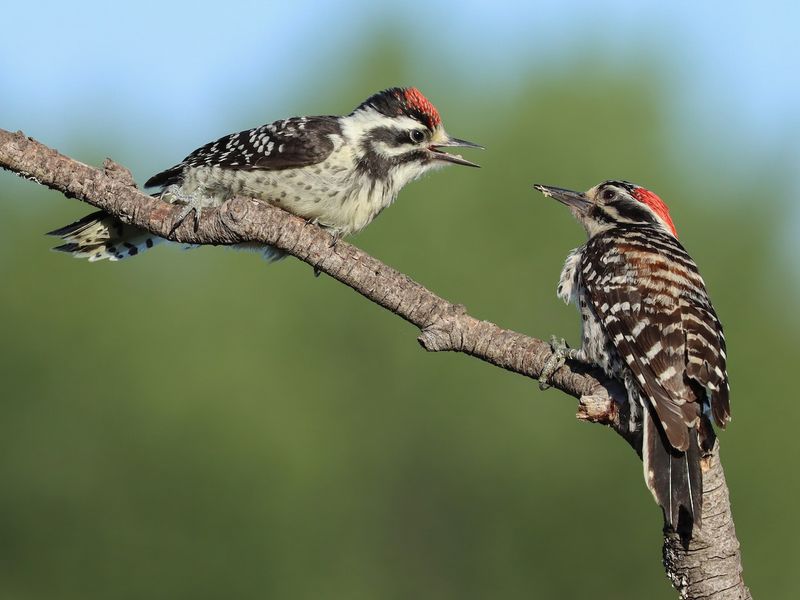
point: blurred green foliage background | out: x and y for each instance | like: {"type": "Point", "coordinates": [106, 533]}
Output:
{"type": "Point", "coordinates": [200, 424]}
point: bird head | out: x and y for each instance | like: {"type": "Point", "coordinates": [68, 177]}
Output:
{"type": "Point", "coordinates": [613, 203]}
{"type": "Point", "coordinates": [399, 134]}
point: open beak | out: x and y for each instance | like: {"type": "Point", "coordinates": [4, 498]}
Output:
{"type": "Point", "coordinates": [452, 158]}
{"type": "Point", "coordinates": [575, 200]}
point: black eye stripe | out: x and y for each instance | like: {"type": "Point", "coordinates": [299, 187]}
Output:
{"type": "Point", "coordinates": [392, 136]}
{"type": "Point", "coordinates": [388, 135]}
{"type": "Point", "coordinates": [631, 211]}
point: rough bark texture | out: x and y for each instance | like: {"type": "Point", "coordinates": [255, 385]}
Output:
{"type": "Point", "coordinates": [708, 567]}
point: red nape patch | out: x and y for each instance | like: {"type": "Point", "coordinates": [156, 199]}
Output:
{"type": "Point", "coordinates": [416, 101]}
{"type": "Point", "coordinates": [657, 204]}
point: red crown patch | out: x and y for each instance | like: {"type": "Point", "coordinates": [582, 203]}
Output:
{"type": "Point", "coordinates": [415, 101]}
{"type": "Point", "coordinates": [652, 200]}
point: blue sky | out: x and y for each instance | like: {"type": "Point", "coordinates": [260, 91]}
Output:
{"type": "Point", "coordinates": [116, 73]}
{"type": "Point", "coordinates": [116, 64]}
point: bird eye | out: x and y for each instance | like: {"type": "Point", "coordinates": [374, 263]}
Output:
{"type": "Point", "coordinates": [417, 136]}
{"type": "Point", "coordinates": [608, 194]}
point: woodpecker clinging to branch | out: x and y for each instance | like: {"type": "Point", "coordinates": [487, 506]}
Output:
{"type": "Point", "coordinates": [647, 320]}
{"type": "Point", "coordinates": [339, 172]}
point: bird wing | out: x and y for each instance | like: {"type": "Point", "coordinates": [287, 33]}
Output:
{"type": "Point", "coordinates": [287, 144]}
{"type": "Point", "coordinates": [647, 293]}
{"type": "Point", "coordinates": [705, 353]}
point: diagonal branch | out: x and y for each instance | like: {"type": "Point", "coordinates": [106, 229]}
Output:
{"type": "Point", "coordinates": [709, 567]}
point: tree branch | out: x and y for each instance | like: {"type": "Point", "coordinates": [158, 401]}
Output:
{"type": "Point", "coordinates": [708, 567]}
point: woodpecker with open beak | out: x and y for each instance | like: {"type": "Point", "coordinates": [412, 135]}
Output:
{"type": "Point", "coordinates": [339, 172]}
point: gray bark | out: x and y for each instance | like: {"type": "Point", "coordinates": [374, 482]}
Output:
{"type": "Point", "coordinates": [707, 567]}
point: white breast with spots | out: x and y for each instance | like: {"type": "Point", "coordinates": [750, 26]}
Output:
{"type": "Point", "coordinates": [333, 193]}
{"type": "Point", "coordinates": [595, 348]}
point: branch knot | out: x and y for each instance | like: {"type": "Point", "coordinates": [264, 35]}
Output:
{"type": "Point", "coordinates": [118, 173]}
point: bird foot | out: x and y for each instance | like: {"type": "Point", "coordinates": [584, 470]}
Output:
{"type": "Point", "coordinates": [336, 235]}
{"type": "Point", "coordinates": [193, 203]}
{"type": "Point", "coordinates": [561, 352]}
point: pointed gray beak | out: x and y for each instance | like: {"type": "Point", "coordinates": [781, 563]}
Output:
{"type": "Point", "coordinates": [457, 143]}
{"type": "Point", "coordinates": [577, 201]}
{"type": "Point", "coordinates": [453, 158]}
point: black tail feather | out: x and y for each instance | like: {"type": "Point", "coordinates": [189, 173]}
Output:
{"type": "Point", "coordinates": [99, 236]}
{"type": "Point", "coordinates": [78, 225]}
{"type": "Point", "coordinates": [674, 477]}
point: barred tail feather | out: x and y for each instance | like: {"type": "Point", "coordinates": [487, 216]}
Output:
{"type": "Point", "coordinates": [99, 236]}
{"type": "Point", "coordinates": [674, 477]}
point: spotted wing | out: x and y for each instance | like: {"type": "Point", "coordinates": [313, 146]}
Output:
{"type": "Point", "coordinates": [705, 353]}
{"type": "Point", "coordinates": [646, 291]}
{"type": "Point", "coordinates": [287, 144]}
